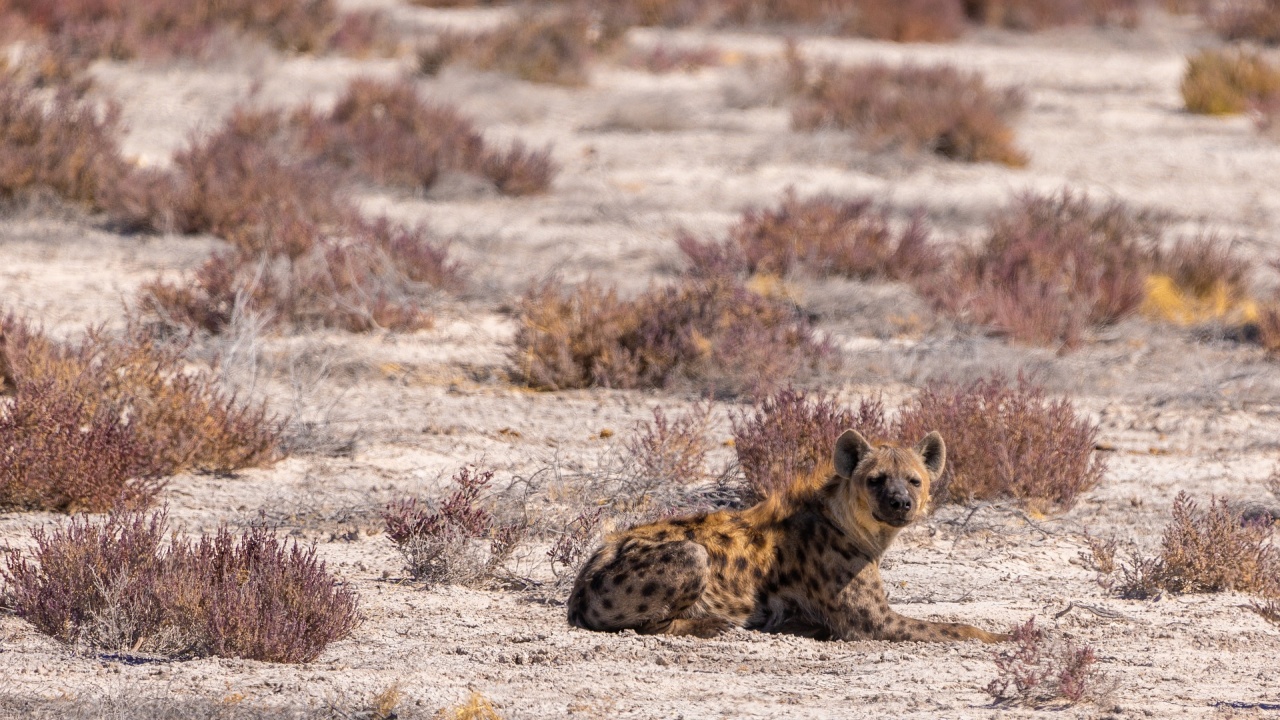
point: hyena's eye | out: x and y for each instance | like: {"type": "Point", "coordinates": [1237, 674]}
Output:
{"type": "Point", "coordinates": [915, 482]}
{"type": "Point", "coordinates": [875, 480]}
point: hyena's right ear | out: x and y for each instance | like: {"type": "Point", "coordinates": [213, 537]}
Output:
{"type": "Point", "coordinates": [8, 385]}
{"type": "Point", "coordinates": [851, 448]}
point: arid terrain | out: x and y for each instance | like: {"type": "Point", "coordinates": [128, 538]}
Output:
{"type": "Point", "coordinates": [381, 415]}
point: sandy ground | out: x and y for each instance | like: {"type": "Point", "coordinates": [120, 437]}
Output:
{"type": "Point", "coordinates": [642, 156]}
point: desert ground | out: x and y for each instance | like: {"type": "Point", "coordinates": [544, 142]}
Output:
{"type": "Point", "coordinates": [383, 415]}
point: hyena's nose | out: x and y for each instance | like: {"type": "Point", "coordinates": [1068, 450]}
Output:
{"type": "Point", "coordinates": [899, 503]}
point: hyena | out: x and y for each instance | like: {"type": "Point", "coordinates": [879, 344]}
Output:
{"type": "Point", "coordinates": [807, 563]}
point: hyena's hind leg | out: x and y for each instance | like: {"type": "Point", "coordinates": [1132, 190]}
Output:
{"type": "Point", "coordinates": [642, 586]}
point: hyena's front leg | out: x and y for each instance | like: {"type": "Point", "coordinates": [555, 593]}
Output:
{"type": "Point", "coordinates": [860, 611]}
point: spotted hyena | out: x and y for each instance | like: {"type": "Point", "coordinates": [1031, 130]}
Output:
{"type": "Point", "coordinates": [808, 563]}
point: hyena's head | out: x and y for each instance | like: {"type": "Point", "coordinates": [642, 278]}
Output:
{"type": "Point", "coordinates": [885, 486]}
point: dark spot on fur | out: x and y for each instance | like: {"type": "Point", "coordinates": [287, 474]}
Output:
{"type": "Point", "coordinates": [597, 583]}
{"type": "Point", "coordinates": [606, 603]}
{"type": "Point", "coordinates": [649, 588]}
{"type": "Point", "coordinates": [740, 564]}
{"type": "Point", "coordinates": [690, 534]}
{"type": "Point", "coordinates": [642, 608]}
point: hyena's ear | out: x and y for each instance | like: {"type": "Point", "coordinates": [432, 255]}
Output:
{"type": "Point", "coordinates": [850, 449]}
{"type": "Point", "coordinates": [934, 453]}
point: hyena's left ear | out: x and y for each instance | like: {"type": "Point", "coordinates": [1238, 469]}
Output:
{"type": "Point", "coordinates": [934, 453]}
{"type": "Point", "coordinates": [850, 449]}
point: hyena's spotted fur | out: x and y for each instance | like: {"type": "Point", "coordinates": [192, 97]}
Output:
{"type": "Point", "coordinates": [808, 563]}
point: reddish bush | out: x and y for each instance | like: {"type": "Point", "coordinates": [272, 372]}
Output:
{"type": "Point", "coordinates": [1037, 671]}
{"type": "Point", "coordinates": [908, 20]}
{"type": "Point", "coordinates": [672, 451]}
{"type": "Point", "coordinates": [662, 59]}
{"type": "Point", "coordinates": [1006, 441]}
{"type": "Point", "coordinates": [61, 142]}
{"type": "Point", "coordinates": [240, 183]}
{"type": "Point", "coordinates": [713, 334]}
{"type": "Point", "coordinates": [1042, 14]}
{"type": "Point", "coordinates": [376, 276]}
{"type": "Point", "coordinates": [55, 456]}
{"type": "Point", "coordinates": [1257, 20]}
{"type": "Point", "coordinates": [100, 420]}
{"type": "Point", "coordinates": [1204, 551]}
{"type": "Point", "coordinates": [821, 236]}
{"type": "Point", "coordinates": [900, 20]}
{"type": "Point", "coordinates": [302, 255]}
{"type": "Point", "coordinates": [388, 134]}
{"type": "Point", "coordinates": [554, 47]}
{"type": "Point", "coordinates": [572, 548]}
{"type": "Point", "coordinates": [116, 586]}
{"type": "Point", "coordinates": [938, 109]}
{"type": "Point", "coordinates": [786, 442]}
{"type": "Point", "coordinates": [446, 545]}
{"type": "Point", "coordinates": [151, 28]}
{"type": "Point", "coordinates": [1051, 268]}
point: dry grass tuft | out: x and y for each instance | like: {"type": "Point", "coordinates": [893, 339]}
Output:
{"type": "Point", "coordinates": [820, 236]}
{"type": "Point", "coordinates": [1006, 442]}
{"type": "Point", "coordinates": [1052, 268]}
{"type": "Point", "coordinates": [477, 707]}
{"type": "Point", "coordinates": [1039, 672]}
{"type": "Point", "coordinates": [1225, 82]}
{"type": "Point", "coordinates": [711, 334]}
{"type": "Point", "coordinates": [1198, 280]}
{"type": "Point", "coordinates": [787, 440]}
{"type": "Point", "coordinates": [1205, 551]}
{"type": "Point", "coordinates": [457, 543]}
{"type": "Point", "coordinates": [117, 586]}
{"type": "Point", "coordinates": [940, 109]}
{"type": "Point", "coordinates": [386, 133]}
{"type": "Point", "coordinates": [100, 420]}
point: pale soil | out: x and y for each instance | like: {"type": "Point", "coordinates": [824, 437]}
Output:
{"type": "Point", "coordinates": [642, 156]}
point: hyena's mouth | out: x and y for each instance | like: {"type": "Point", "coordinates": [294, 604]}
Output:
{"type": "Point", "coordinates": [895, 522]}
